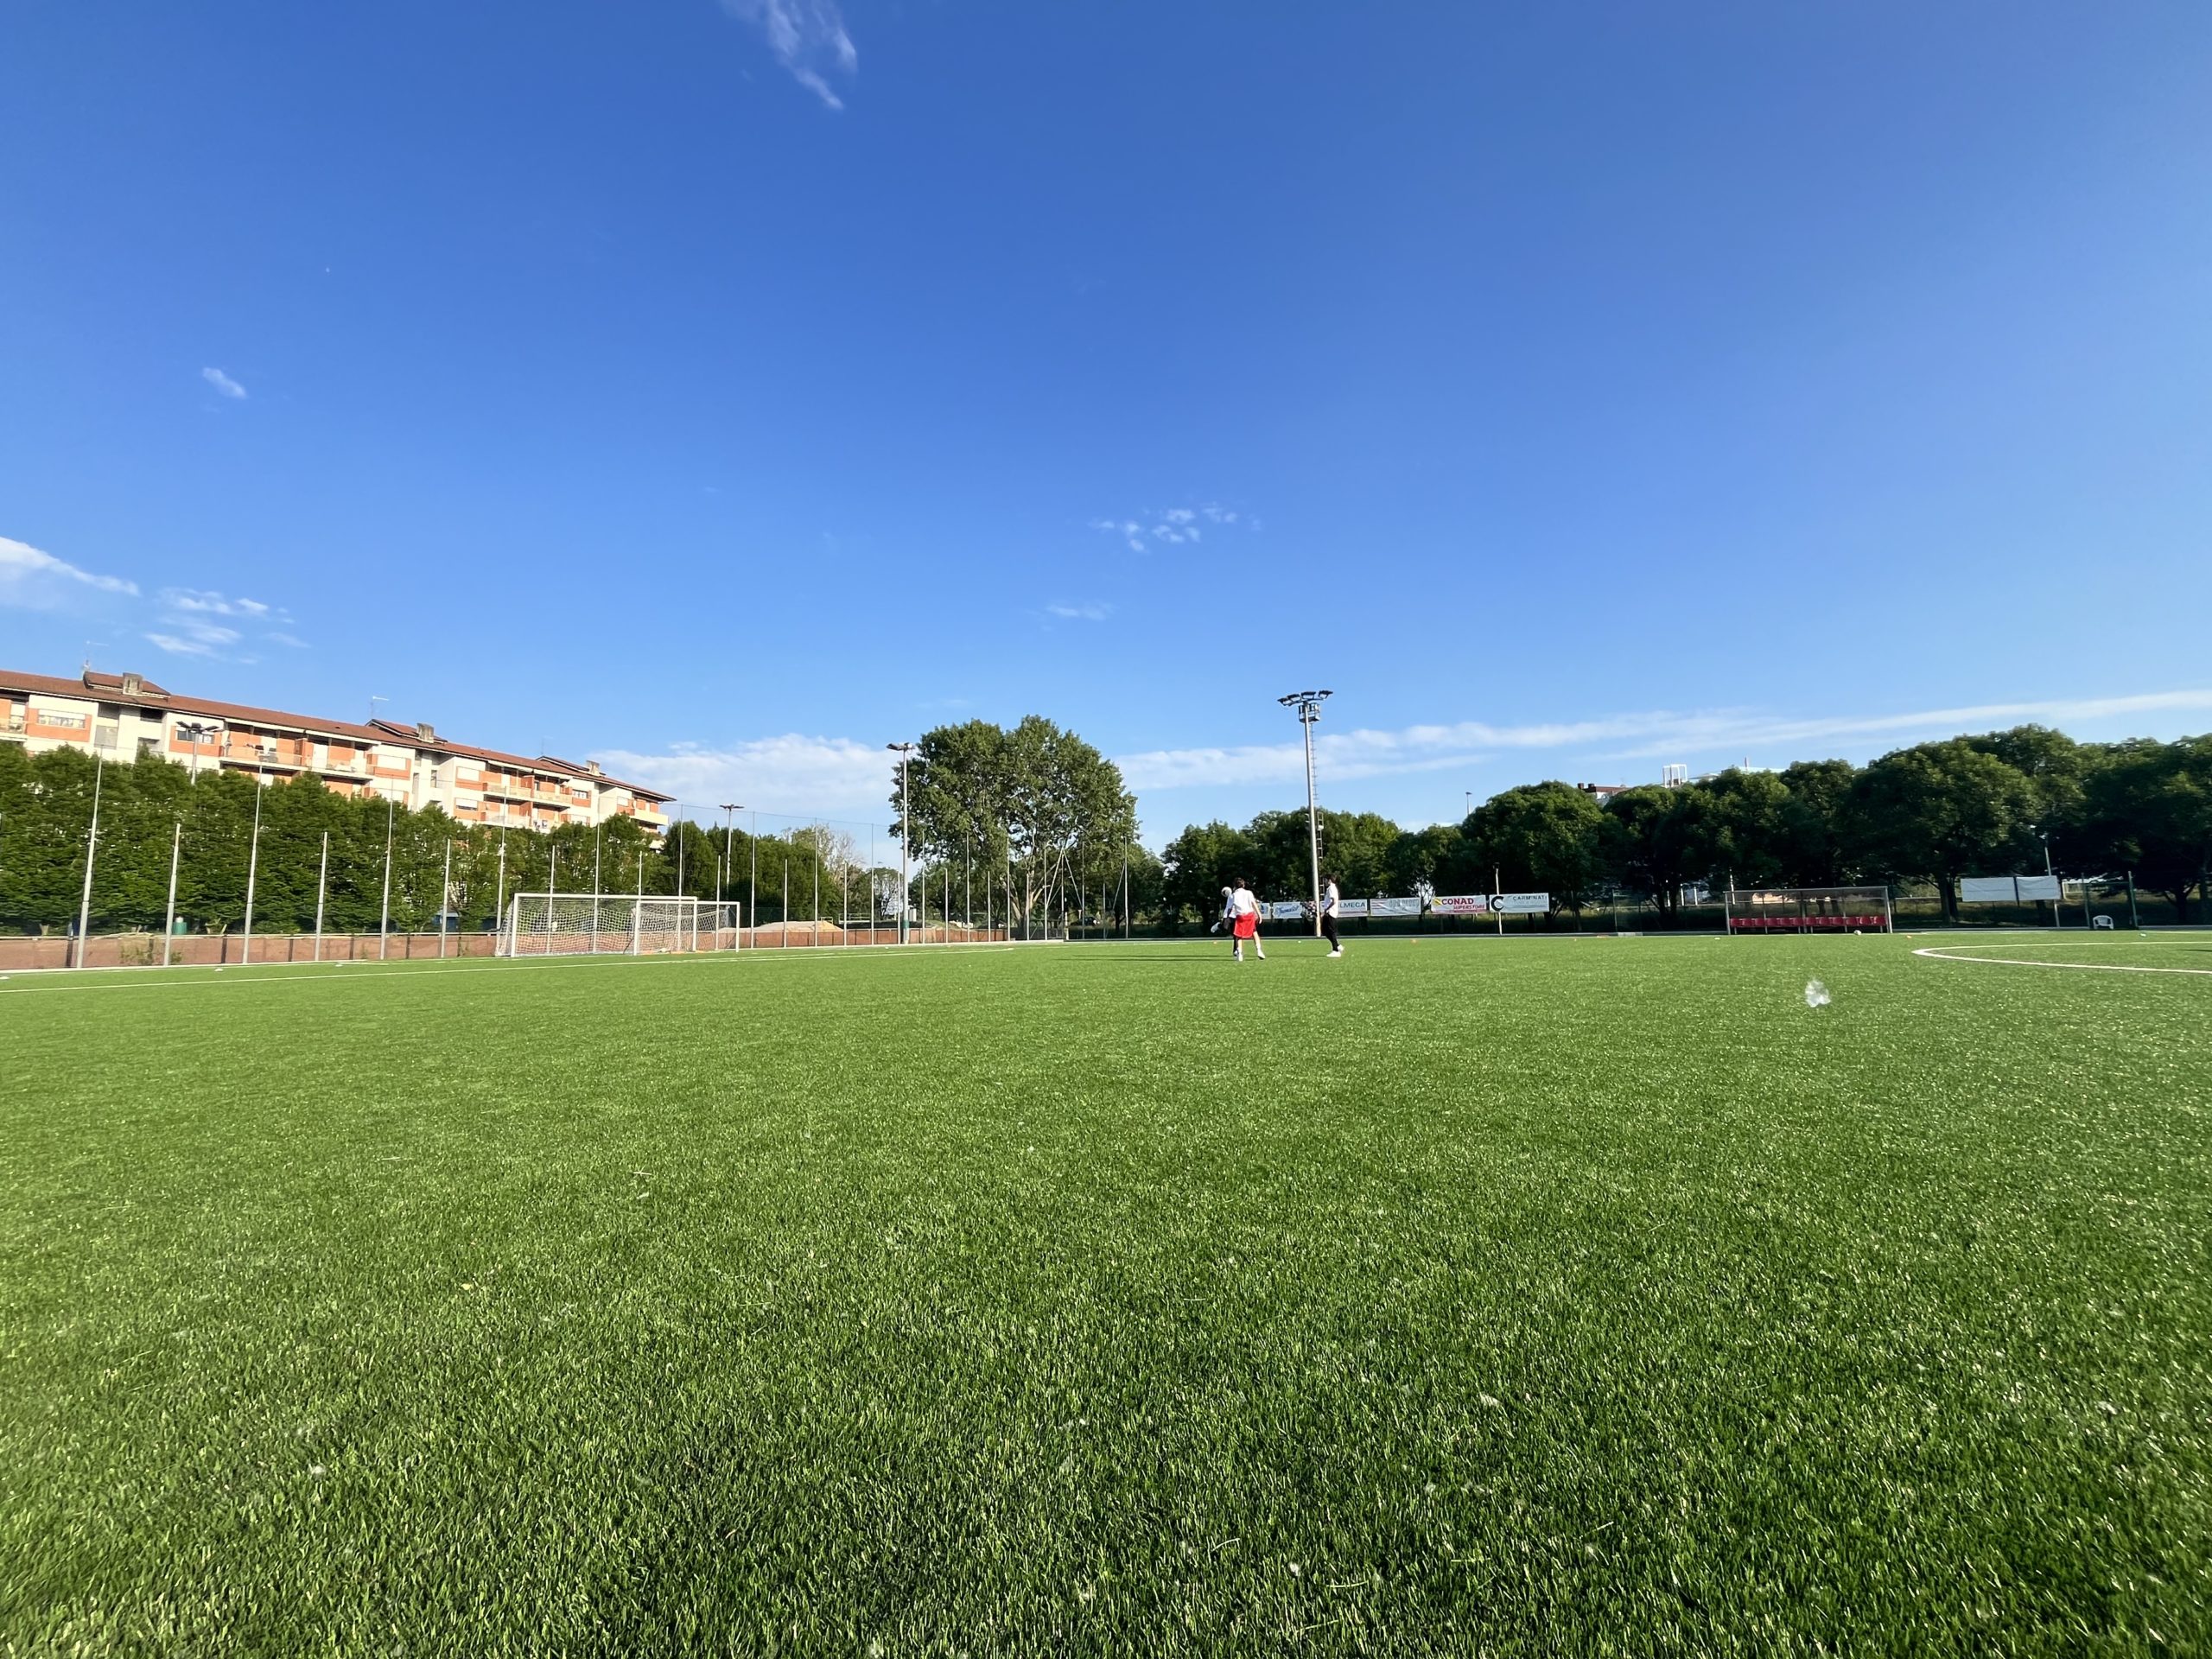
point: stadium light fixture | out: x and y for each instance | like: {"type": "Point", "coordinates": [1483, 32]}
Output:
{"type": "Point", "coordinates": [1307, 706]}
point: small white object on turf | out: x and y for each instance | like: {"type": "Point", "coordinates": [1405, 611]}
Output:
{"type": "Point", "coordinates": [1817, 995]}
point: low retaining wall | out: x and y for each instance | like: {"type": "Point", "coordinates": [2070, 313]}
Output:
{"type": "Point", "coordinates": [20, 953]}
{"type": "Point", "coordinates": [205, 950]}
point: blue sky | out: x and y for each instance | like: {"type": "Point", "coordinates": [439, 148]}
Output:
{"type": "Point", "coordinates": [726, 387]}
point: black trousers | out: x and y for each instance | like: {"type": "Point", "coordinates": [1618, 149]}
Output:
{"type": "Point", "coordinates": [1329, 932]}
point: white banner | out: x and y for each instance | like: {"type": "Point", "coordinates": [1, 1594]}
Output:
{"type": "Point", "coordinates": [1394, 907]}
{"type": "Point", "coordinates": [1352, 907]}
{"type": "Point", "coordinates": [1521, 904]}
{"type": "Point", "coordinates": [2007, 889]}
{"type": "Point", "coordinates": [1459, 903]}
{"type": "Point", "coordinates": [1287, 910]}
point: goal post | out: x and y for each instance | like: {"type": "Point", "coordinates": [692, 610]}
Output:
{"type": "Point", "coordinates": [1810, 909]}
{"type": "Point", "coordinates": [586, 924]}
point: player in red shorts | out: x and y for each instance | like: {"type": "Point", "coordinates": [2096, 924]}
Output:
{"type": "Point", "coordinates": [1241, 912]}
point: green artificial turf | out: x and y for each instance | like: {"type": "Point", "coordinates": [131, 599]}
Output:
{"type": "Point", "coordinates": [1471, 1295]}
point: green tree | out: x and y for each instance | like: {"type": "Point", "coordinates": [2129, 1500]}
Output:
{"type": "Point", "coordinates": [1199, 864]}
{"type": "Point", "coordinates": [1648, 844]}
{"type": "Point", "coordinates": [1547, 837]}
{"type": "Point", "coordinates": [1937, 812]}
{"type": "Point", "coordinates": [2148, 810]}
{"type": "Point", "coordinates": [1034, 805]}
{"type": "Point", "coordinates": [1813, 823]}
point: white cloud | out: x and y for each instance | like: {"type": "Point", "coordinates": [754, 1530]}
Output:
{"type": "Point", "coordinates": [197, 601]}
{"type": "Point", "coordinates": [205, 642]}
{"type": "Point", "coordinates": [188, 628]}
{"type": "Point", "coordinates": [792, 775]}
{"type": "Point", "coordinates": [1176, 526]}
{"type": "Point", "coordinates": [1724, 734]}
{"type": "Point", "coordinates": [807, 36]}
{"type": "Point", "coordinates": [1088, 611]}
{"type": "Point", "coordinates": [224, 384]}
{"type": "Point", "coordinates": [33, 580]}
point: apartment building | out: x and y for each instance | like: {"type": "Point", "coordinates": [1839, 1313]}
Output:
{"type": "Point", "coordinates": [122, 717]}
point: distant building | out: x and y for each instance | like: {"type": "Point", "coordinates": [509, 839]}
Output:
{"type": "Point", "coordinates": [121, 717]}
{"type": "Point", "coordinates": [1601, 792]}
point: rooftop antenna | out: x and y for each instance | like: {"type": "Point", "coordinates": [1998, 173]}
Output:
{"type": "Point", "coordinates": [372, 707]}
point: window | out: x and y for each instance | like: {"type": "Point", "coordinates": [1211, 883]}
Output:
{"type": "Point", "coordinates": [60, 722]}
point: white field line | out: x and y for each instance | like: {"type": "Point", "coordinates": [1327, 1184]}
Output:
{"type": "Point", "coordinates": [1938, 954]}
{"type": "Point", "coordinates": [313, 973]}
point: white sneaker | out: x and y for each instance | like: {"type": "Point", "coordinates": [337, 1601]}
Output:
{"type": "Point", "coordinates": [1261, 955]}
{"type": "Point", "coordinates": [1336, 953]}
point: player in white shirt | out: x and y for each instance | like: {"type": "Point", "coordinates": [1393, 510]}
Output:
{"type": "Point", "coordinates": [1241, 912]}
{"type": "Point", "coordinates": [1329, 906]}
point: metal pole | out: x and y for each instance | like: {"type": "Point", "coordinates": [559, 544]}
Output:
{"type": "Point", "coordinates": [552, 886]}
{"type": "Point", "coordinates": [322, 879]}
{"type": "Point", "coordinates": [384, 916]}
{"type": "Point", "coordinates": [1309, 706]}
{"type": "Point", "coordinates": [2055, 922]}
{"type": "Point", "coordinates": [252, 869]}
{"type": "Point", "coordinates": [596, 855]}
{"type": "Point", "coordinates": [501, 908]}
{"type": "Point", "coordinates": [2132, 921]}
{"type": "Point", "coordinates": [92, 847]}
{"type": "Point", "coordinates": [786, 933]}
{"type": "Point", "coordinates": [168, 921]}
{"type": "Point", "coordinates": [1497, 914]}
{"type": "Point", "coordinates": [753, 881]}
{"type": "Point", "coordinates": [445, 901]}
{"type": "Point", "coordinates": [1313, 828]}
{"type": "Point", "coordinates": [675, 824]}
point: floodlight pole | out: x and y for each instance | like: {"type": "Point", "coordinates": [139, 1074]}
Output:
{"type": "Point", "coordinates": [904, 752]}
{"type": "Point", "coordinates": [322, 883]}
{"type": "Point", "coordinates": [168, 920]}
{"type": "Point", "coordinates": [92, 847]}
{"type": "Point", "coordinates": [383, 914]}
{"type": "Point", "coordinates": [252, 869]}
{"type": "Point", "coordinates": [1307, 704]}
{"type": "Point", "coordinates": [445, 903]}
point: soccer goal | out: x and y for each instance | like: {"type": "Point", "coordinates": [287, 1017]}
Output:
{"type": "Point", "coordinates": [1808, 910]}
{"type": "Point", "coordinates": [586, 923]}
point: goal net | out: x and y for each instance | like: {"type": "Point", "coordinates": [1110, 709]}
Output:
{"type": "Point", "coordinates": [1808, 910]}
{"type": "Point", "coordinates": [584, 924]}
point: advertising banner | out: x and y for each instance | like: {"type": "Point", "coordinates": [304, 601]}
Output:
{"type": "Point", "coordinates": [1394, 907]}
{"type": "Point", "coordinates": [1459, 903]}
{"type": "Point", "coordinates": [1521, 904]}
{"type": "Point", "coordinates": [2007, 889]}
{"type": "Point", "coordinates": [1286, 910]}
{"type": "Point", "coordinates": [1352, 907]}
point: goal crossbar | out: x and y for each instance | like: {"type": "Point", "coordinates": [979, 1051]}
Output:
{"type": "Point", "coordinates": [610, 924]}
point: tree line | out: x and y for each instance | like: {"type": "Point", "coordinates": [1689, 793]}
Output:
{"type": "Point", "coordinates": [46, 814]}
{"type": "Point", "coordinates": [1991, 804]}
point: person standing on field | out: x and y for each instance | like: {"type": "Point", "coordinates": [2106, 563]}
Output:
{"type": "Point", "coordinates": [1329, 903]}
{"type": "Point", "coordinates": [1241, 912]}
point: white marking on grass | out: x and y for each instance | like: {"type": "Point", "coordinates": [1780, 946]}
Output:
{"type": "Point", "coordinates": [1950, 954]}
